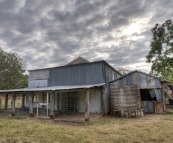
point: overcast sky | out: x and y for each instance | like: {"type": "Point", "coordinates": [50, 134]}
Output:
{"type": "Point", "coordinates": [48, 33]}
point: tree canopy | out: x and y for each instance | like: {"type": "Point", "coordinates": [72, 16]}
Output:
{"type": "Point", "coordinates": [124, 70]}
{"type": "Point", "coordinates": [161, 52]}
{"type": "Point", "coordinates": [12, 69]}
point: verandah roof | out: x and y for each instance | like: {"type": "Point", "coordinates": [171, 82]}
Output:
{"type": "Point", "coordinates": [53, 88]}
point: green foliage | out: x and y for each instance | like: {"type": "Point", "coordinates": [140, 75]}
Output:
{"type": "Point", "coordinates": [11, 71]}
{"type": "Point", "coordinates": [161, 52]}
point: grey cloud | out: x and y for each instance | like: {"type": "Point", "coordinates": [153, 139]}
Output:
{"type": "Point", "coordinates": [59, 31]}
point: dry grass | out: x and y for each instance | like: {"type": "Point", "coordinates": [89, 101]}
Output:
{"type": "Point", "coordinates": [151, 128]}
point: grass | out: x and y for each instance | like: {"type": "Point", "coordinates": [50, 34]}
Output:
{"type": "Point", "coordinates": [150, 128]}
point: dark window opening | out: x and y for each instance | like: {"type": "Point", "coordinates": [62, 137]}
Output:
{"type": "Point", "coordinates": [145, 95]}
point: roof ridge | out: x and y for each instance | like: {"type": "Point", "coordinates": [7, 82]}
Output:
{"type": "Point", "coordinates": [78, 60]}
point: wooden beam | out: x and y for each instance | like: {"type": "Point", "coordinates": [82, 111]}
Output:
{"type": "Point", "coordinates": [87, 105]}
{"type": "Point", "coordinates": [52, 99]}
{"type": "Point", "coordinates": [13, 104]}
{"type": "Point", "coordinates": [6, 101]}
{"type": "Point", "coordinates": [31, 96]}
{"type": "Point", "coordinates": [103, 99]}
{"type": "Point", "coordinates": [163, 98]}
{"type": "Point", "coordinates": [23, 99]}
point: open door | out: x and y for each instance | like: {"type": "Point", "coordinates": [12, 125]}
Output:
{"type": "Point", "coordinates": [43, 105]}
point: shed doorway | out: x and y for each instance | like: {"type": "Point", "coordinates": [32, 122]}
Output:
{"type": "Point", "coordinates": [43, 105]}
{"type": "Point", "coordinates": [151, 100]}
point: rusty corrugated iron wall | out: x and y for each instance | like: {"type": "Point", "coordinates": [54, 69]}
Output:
{"type": "Point", "coordinates": [142, 80]}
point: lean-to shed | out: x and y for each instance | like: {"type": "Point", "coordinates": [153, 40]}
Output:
{"type": "Point", "coordinates": [149, 91]}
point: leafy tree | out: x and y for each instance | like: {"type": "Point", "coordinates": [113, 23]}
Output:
{"type": "Point", "coordinates": [124, 70]}
{"type": "Point", "coordinates": [12, 69]}
{"type": "Point", "coordinates": [161, 52]}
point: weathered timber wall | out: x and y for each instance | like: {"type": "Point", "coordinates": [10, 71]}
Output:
{"type": "Point", "coordinates": [125, 98]}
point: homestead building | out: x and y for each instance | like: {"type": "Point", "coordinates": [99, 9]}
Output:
{"type": "Point", "coordinates": [83, 89]}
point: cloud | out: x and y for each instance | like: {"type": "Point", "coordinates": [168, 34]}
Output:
{"type": "Point", "coordinates": [53, 32]}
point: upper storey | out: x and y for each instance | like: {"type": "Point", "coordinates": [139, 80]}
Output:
{"type": "Point", "coordinates": [77, 72]}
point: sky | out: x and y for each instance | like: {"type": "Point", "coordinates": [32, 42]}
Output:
{"type": "Point", "coordinates": [49, 33]}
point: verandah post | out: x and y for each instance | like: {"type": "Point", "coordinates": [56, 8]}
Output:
{"type": "Point", "coordinates": [6, 101]}
{"type": "Point", "coordinates": [87, 104]}
{"type": "Point", "coordinates": [23, 100]}
{"type": "Point", "coordinates": [52, 99]}
{"type": "Point", "coordinates": [13, 104]}
{"type": "Point", "coordinates": [31, 96]}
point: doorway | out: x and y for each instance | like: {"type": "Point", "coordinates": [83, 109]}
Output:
{"type": "Point", "coordinates": [43, 100]}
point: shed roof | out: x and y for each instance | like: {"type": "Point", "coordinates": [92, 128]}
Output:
{"type": "Point", "coordinates": [53, 88]}
{"type": "Point", "coordinates": [162, 80]}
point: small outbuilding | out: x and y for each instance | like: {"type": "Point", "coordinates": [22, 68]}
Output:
{"type": "Point", "coordinates": [137, 91]}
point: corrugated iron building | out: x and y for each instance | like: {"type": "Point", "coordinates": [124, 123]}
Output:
{"type": "Point", "coordinates": [79, 74]}
{"type": "Point", "coordinates": [150, 89]}
{"type": "Point", "coordinates": [96, 86]}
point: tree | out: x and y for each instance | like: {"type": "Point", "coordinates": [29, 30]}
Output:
{"type": "Point", "coordinates": [161, 52]}
{"type": "Point", "coordinates": [124, 70]}
{"type": "Point", "coordinates": [12, 69]}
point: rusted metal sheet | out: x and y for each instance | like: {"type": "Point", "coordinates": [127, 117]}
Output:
{"type": "Point", "coordinates": [136, 78]}
{"type": "Point", "coordinates": [157, 83]}
{"type": "Point", "coordinates": [156, 93]}
{"type": "Point", "coordinates": [123, 81]}
{"type": "Point", "coordinates": [129, 80]}
{"type": "Point", "coordinates": [125, 98]}
{"type": "Point", "coordinates": [143, 81]}
{"type": "Point", "coordinates": [151, 82]}
{"type": "Point", "coordinates": [152, 93]}
{"type": "Point", "coordinates": [149, 106]}
{"type": "Point", "coordinates": [159, 107]}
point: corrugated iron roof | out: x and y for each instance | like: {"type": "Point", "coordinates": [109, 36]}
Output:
{"type": "Point", "coordinates": [162, 80]}
{"type": "Point", "coordinates": [89, 63]}
{"type": "Point", "coordinates": [53, 88]}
